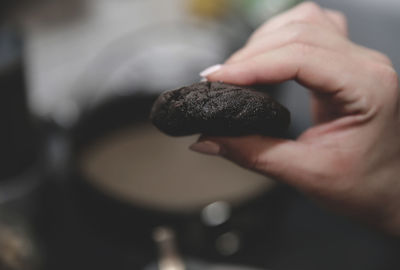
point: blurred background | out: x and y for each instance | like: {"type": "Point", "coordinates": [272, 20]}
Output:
{"type": "Point", "coordinates": [87, 183]}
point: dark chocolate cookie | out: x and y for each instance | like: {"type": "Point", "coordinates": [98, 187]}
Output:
{"type": "Point", "coordinates": [218, 109]}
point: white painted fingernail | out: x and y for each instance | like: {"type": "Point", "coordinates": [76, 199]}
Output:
{"type": "Point", "coordinates": [206, 147]}
{"type": "Point", "coordinates": [203, 80]}
{"type": "Point", "coordinates": [210, 70]}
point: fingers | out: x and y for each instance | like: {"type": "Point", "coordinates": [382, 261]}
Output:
{"type": "Point", "coordinates": [309, 24]}
{"type": "Point", "coordinates": [313, 67]}
{"type": "Point", "coordinates": [270, 156]}
{"type": "Point", "coordinates": [309, 34]}
{"type": "Point", "coordinates": [339, 19]}
{"type": "Point", "coordinates": [335, 78]}
{"type": "Point", "coordinates": [302, 33]}
{"type": "Point", "coordinates": [312, 52]}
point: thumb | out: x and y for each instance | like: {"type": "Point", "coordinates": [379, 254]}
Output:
{"type": "Point", "coordinates": [278, 158]}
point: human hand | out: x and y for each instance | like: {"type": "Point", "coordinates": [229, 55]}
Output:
{"type": "Point", "coordinates": [350, 159]}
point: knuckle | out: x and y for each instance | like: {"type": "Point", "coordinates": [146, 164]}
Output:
{"type": "Point", "coordinates": [236, 56]}
{"type": "Point", "coordinates": [393, 80]}
{"type": "Point", "coordinates": [341, 17]}
{"type": "Point", "coordinates": [310, 5]}
{"type": "Point", "coordinates": [384, 58]}
{"type": "Point", "coordinates": [246, 158]}
{"type": "Point", "coordinates": [379, 56]}
{"type": "Point", "coordinates": [388, 75]}
{"type": "Point", "coordinates": [299, 32]}
{"type": "Point", "coordinates": [256, 161]}
{"type": "Point", "coordinates": [261, 163]}
{"type": "Point", "coordinates": [300, 49]}
{"type": "Point", "coordinates": [251, 162]}
{"type": "Point", "coordinates": [387, 82]}
{"type": "Point", "coordinates": [310, 11]}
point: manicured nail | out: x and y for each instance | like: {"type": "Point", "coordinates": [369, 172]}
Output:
{"type": "Point", "coordinates": [210, 70]}
{"type": "Point", "coordinates": [203, 80]}
{"type": "Point", "coordinates": [206, 147]}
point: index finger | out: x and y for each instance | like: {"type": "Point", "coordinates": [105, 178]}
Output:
{"type": "Point", "coordinates": [320, 70]}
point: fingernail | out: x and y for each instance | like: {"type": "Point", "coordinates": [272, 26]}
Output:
{"type": "Point", "coordinates": [210, 70]}
{"type": "Point", "coordinates": [206, 147]}
{"type": "Point", "coordinates": [203, 80]}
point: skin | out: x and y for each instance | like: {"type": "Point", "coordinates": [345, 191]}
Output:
{"type": "Point", "coordinates": [349, 160]}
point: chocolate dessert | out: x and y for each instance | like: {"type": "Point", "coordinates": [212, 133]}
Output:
{"type": "Point", "coordinates": [218, 109]}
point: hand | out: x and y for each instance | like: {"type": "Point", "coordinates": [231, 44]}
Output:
{"type": "Point", "coordinates": [350, 159]}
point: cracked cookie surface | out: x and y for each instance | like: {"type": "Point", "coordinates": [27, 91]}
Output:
{"type": "Point", "coordinates": [218, 109]}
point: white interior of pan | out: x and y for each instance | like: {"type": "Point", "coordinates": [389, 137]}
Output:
{"type": "Point", "coordinates": [145, 167]}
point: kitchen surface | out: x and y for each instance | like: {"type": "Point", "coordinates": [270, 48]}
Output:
{"type": "Point", "coordinates": [87, 182]}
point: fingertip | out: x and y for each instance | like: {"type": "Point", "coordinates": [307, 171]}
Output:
{"type": "Point", "coordinates": [216, 73]}
{"type": "Point", "coordinates": [210, 70]}
{"type": "Point", "coordinates": [235, 73]}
